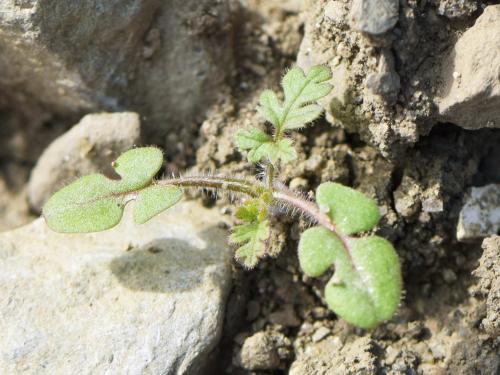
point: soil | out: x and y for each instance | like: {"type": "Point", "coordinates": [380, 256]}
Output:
{"type": "Point", "coordinates": [419, 171]}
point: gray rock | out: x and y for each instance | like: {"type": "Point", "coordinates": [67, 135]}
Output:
{"type": "Point", "coordinates": [374, 17]}
{"type": "Point", "coordinates": [145, 299]}
{"type": "Point", "coordinates": [480, 215]}
{"type": "Point", "coordinates": [384, 82]}
{"type": "Point", "coordinates": [470, 93]}
{"type": "Point", "coordinates": [74, 57]}
{"type": "Point", "coordinates": [90, 146]}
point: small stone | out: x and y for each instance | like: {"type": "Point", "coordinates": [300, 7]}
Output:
{"type": "Point", "coordinates": [449, 276]}
{"type": "Point", "coordinates": [432, 204]}
{"type": "Point", "coordinates": [320, 334]}
{"type": "Point", "coordinates": [259, 353]}
{"type": "Point", "coordinates": [480, 215]}
{"type": "Point", "coordinates": [285, 317]}
{"type": "Point", "coordinates": [374, 17]}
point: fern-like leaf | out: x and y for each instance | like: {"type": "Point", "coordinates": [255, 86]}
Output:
{"type": "Point", "coordinates": [301, 93]}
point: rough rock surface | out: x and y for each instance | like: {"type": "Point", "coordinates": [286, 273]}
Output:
{"type": "Point", "coordinates": [470, 93]}
{"type": "Point", "coordinates": [71, 57]}
{"type": "Point", "coordinates": [489, 284]}
{"type": "Point", "coordinates": [143, 299]}
{"type": "Point", "coordinates": [263, 351]}
{"type": "Point", "coordinates": [88, 147]}
{"type": "Point", "coordinates": [480, 215]}
{"type": "Point", "coordinates": [374, 16]}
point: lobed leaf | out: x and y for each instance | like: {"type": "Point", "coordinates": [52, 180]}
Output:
{"type": "Point", "coordinates": [350, 210]}
{"type": "Point", "coordinates": [262, 146]}
{"type": "Point", "coordinates": [372, 294]}
{"type": "Point", "coordinates": [153, 200]}
{"type": "Point", "coordinates": [253, 237]}
{"type": "Point", "coordinates": [94, 203]}
{"type": "Point", "coordinates": [301, 92]}
{"type": "Point", "coordinates": [366, 287]}
{"type": "Point", "coordinates": [86, 205]}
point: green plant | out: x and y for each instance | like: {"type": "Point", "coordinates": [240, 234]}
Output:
{"type": "Point", "coordinates": [366, 287]}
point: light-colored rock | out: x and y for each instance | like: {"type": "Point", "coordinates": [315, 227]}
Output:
{"type": "Point", "coordinates": [374, 17]}
{"type": "Point", "coordinates": [88, 147]}
{"type": "Point", "coordinates": [470, 93]}
{"type": "Point", "coordinates": [264, 351]}
{"type": "Point", "coordinates": [147, 56]}
{"type": "Point", "coordinates": [480, 215]}
{"type": "Point", "coordinates": [137, 299]}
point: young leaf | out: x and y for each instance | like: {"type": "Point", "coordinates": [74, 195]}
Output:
{"type": "Point", "coordinates": [262, 146]}
{"type": "Point", "coordinates": [253, 237]}
{"type": "Point", "coordinates": [371, 293]}
{"type": "Point", "coordinates": [154, 200]}
{"type": "Point", "coordinates": [94, 203]}
{"type": "Point", "coordinates": [350, 210]}
{"type": "Point", "coordinates": [318, 249]}
{"type": "Point", "coordinates": [366, 287]}
{"type": "Point", "coordinates": [301, 93]}
{"type": "Point", "coordinates": [86, 205]}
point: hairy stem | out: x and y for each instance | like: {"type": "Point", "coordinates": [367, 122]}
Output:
{"type": "Point", "coordinates": [215, 182]}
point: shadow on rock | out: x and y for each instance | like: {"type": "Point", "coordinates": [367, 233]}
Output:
{"type": "Point", "coordinates": [174, 265]}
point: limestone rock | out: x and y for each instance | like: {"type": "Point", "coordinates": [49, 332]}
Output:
{"type": "Point", "coordinates": [149, 56]}
{"type": "Point", "coordinates": [90, 146]}
{"type": "Point", "coordinates": [374, 17]}
{"type": "Point", "coordinates": [454, 9]}
{"type": "Point", "coordinates": [480, 215]}
{"type": "Point", "coordinates": [264, 351]}
{"type": "Point", "coordinates": [137, 299]}
{"type": "Point", "coordinates": [470, 93]}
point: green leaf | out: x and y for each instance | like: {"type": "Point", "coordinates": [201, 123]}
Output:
{"type": "Point", "coordinates": [94, 203]}
{"type": "Point", "coordinates": [366, 287]}
{"type": "Point", "coordinates": [301, 93]}
{"type": "Point", "coordinates": [253, 237]}
{"type": "Point", "coordinates": [372, 290]}
{"type": "Point", "coordinates": [262, 146]}
{"type": "Point", "coordinates": [153, 200]}
{"type": "Point", "coordinates": [350, 210]}
{"type": "Point", "coordinates": [137, 167]}
{"type": "Point", "coordinates": [86, 205]}
{"type": "Point", "coordinates": [318, 249]}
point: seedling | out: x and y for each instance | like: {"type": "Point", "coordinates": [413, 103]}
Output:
{"type": "Point", "coordinates": [366, 286]}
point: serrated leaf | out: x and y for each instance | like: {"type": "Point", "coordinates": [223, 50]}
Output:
{"type": "Point", "coordinates": [94, 203]}
{"type": "Point", "coordinates": [153, 200]}
{"type": "Point", "coordinates": [366, 287]}
{"type": "Point", "coordinates": [250, 139]}
{"type": "Point", "coordinates": [253, 237]}
{"type": "Point", "coordinates": [86, 205]}
{"type": "Point", "coordinates": [301, 92]}
{"type": "Point", "coordinates": [249, 211]}
{"type": "Point", "coordinates": [282, 150]}
{"type": "Point", "coordinates": [373, 295]}
{"type": "Point", "coordinates": [350, 210]}
{"type": "Point", "coordinates": [270, 107]}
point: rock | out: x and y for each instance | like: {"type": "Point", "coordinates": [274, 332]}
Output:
{"type": "Point", "coordinates": [385, 82]}
{"type": "Point", "coordinates": [137, 299]}
{"type": "Point", "coordinates": [263, 351]}
{"type": "Point", "coordinates": [320, 334]}
{"type": "Point", "coordinates": [488, 273]}
{"type": "Point", "coordinates": [141, 55]}
{"type": "Point", "coordinates": [480, 215]}
{"type": "Point", "coordinates": [454, 9]}
{"type": "Point", "coordinates": [470, 93]}
{"type": "Point", "coordinates": [374, 17]}
{"type": "Point", "coordinates": [90, 146]}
